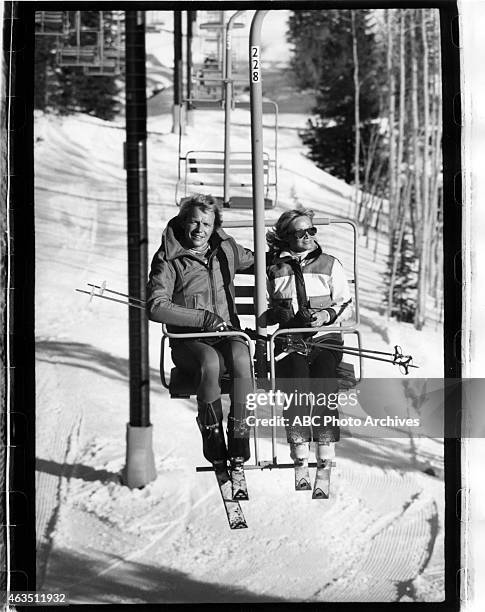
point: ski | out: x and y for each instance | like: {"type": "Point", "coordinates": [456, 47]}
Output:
{"type": "Point", "coordinates": [321, 488]}
{"type": "Point", "coordinates": [238, 478]}
{"type": "Point", "coordinates": [234, 513]}
{"type": "Point", "coordinates": [302, 477]}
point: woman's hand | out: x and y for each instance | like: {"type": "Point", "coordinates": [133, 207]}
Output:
{"type": "Point", "coordinates": [320, 318]}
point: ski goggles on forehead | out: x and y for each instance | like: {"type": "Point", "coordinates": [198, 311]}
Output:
{"type": "Point", "coordinates": [301, 233]}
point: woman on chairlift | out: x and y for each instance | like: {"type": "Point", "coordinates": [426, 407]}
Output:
{"type": "Point", "coordinates": [307, 289]}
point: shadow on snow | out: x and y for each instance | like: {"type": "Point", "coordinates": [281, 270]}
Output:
{"type": "Point", "coordinates": [87, 357]}
{"type": "Point", "coordinates": [115, 580]}
{"type": "Point", "coordinates": [76, 470]}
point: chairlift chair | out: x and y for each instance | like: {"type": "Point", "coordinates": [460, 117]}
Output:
{"type": "Point", "coordinates": [203, 170]}
{"type": "Point", "coordinates": [77, 56]}
{"type": "Point", "coordinates": [84, 46]}
{"type": "Point", "coordinates": [104, 69]}
{"type": "Point", "coordinates": [206, 88]}
{"type": "Point", "coordinates": [51, 23]}
{"type": "Point", "coordinates": [347, 370]}
{"type": "Point", "coordinates": [80, 47]}
{"type": "Point", "coordinates": [183, 385]}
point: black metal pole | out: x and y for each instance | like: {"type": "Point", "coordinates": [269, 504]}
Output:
{"type": "Point", "coordinates": [140, 465]}
{"type": "Point", "coordinates": [136, 174]}
{"type": "Point", "coordinates": [177, 69]}
{"type": "Point", "coordinates": [190, 20]}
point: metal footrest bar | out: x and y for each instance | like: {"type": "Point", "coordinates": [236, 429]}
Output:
{"type": "Point", "coordinates": [264, 465]}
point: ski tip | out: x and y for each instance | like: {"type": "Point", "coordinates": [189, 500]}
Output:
{"type": "Point", "coordinates": [319, 494]}
{"type": "Point", "coordinates": [241, 495]}
{"type": "Point", "coordinates": [240, 525]}
{"type": "Point", "coordinates": [303, 485]}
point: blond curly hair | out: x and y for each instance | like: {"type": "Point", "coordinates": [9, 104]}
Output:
{"type": "Point", "coordinates": [277, 237]}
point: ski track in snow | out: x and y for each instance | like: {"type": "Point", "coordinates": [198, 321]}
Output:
{"type": "Point", "coordinates": [58, 432]}
{"type": "Point", "coordinates": [378, 538]}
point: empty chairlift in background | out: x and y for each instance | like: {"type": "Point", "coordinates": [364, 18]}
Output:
{"type": "Point", "coordinates": [111, 50]}
{"type": "Point", "coordinates": [225, 174]}
{"type": "Point", "coordinates": [80, 46]}
{"type": "Point", "coordinates": [207, 72]}
{"type": "Point", "coordinates": [94, 41]}
{"type": "Point", "coordinates": [51, 23]}
{"type": "Point", "coordinates": [204, 171]}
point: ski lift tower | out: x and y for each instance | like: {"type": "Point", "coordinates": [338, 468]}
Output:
{"type": "Point", "coordinates": [140, 465]}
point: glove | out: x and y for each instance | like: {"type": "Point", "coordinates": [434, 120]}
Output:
{"type": "Point", "coordinates": [279, 314]}
{"type": "Point", "coordinates": [303, 318]}
{"type": "Point", "coordinates": [213, 322]}
{"type": "Point", "coordinates": [321, 318]}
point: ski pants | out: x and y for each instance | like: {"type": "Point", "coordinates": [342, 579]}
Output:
{"type": "Point", "coordinates": [320, 366]}
{"type": "Point", "coordinates": [210, 361]}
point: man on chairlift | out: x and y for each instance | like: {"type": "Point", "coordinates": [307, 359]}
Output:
{"type": "Point", "coordinates": [191, 290]}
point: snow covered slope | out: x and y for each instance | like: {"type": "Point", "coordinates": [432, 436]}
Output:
{"type": "Point", "coordinates": [379, 537]}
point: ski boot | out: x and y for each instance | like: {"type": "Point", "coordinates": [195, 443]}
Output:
{"type": "Point", "coordinates": [299, 452]}
{"type": "Point", "coordinates": [238, 478]}
{"type": "Point", "coordinates": [238, 447]}
{"type": "Point", "coordinates": [209, 420]}
{"type": "Point", "coordinates": [325, 452]}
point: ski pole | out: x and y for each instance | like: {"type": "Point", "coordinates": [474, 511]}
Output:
{"type": "Point", "coordinates": [105, 297]}
{"type": "Point", "coordinates": [348, 351]}
{"type": "Point", "coordinates": [397, 350]}
{"type": "Point", "coordinates": [403, 361]}
{"type": "Point", "coordinates": [399, 360]}
{"type": "Point", "coordinates": [104, 288]}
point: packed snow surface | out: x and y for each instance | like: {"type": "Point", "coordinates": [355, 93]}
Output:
{"type": "Point", "coordinates": [380, 535]}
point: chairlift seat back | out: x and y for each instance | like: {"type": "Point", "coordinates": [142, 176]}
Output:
{"type": "Point", "coordinates": [205, 169]}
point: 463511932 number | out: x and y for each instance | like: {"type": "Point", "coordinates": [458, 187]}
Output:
{"type": "Point", "coordinates": [33, 598]}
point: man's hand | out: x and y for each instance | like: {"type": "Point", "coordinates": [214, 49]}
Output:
{"type": "Point", "coordinates": [320, 318]}
{"type": "Point", "coordinates": [213, 322]}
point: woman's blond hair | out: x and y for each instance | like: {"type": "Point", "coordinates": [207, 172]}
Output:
{"type": "Point", "coordinates": [277, 237]}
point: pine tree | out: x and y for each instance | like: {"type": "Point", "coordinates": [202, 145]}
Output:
{"type": "Point", "coordinates": [376, 75]}
{"type": "Point", "coordinates": [323, 58]}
